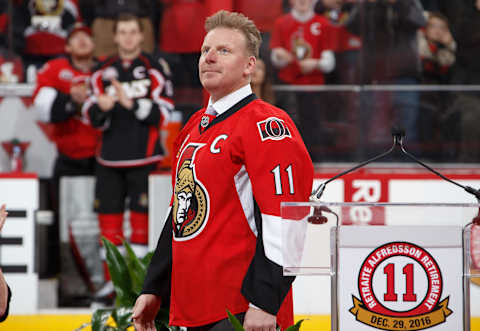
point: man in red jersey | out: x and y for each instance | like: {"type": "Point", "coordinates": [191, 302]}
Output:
{"type": "Point", "coordinates": [131, 100]}
{"type": "Point", "coordinates": [62, 88]}
{"type": "Point", "coordinates": [235, 161]}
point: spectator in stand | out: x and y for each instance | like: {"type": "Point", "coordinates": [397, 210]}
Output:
{"type": "Point", "coordinates": [62, 88]}
{"type": "Point", "coordinates": [388, 29]}
{"type": "Point", "coordinates": [132, 98]}
{"type": "Point", "coordinates": [467, 35]}
{"type": "Point", "coordinates": [465, 108]}
{"type": "Point", "coordinates": [44, 26]}
{"type": "Point", "coordinates": [303, 52]}
{"type": "Point", "coordinates": [5, 292]}
{"type": "Point", "coordinates": [347, 44]}
{"type": "Point", "coordinates": [437, 51]}
{"type": "Point", "coordinates": [101, 14]}
{"type": "Point", "coordinates": [261, 84]}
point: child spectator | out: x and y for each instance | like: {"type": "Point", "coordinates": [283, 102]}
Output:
{"type": "Point", "coordinates": [302, 52]}
{"type": "Point", "coordinates": [437, 49]}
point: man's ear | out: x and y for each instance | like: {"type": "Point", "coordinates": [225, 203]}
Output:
{"type": "Point", "coordinates": [250, 67]}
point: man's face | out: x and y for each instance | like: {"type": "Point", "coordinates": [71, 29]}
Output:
{"type": "Point", "coordinates": [80, 44]}
{"type": "Point", "coordinates": [128, 36]}
{"type": "Point", "coordinates": [302, 6]}
{"type": "Point", "coordinates": [224, 64]}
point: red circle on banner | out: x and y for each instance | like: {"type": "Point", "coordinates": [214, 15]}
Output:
{"type": "Point", "coordinates": [409, 250]}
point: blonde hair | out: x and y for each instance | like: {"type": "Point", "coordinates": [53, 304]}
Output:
{"type": "Point", "coordinates": [237, 21]}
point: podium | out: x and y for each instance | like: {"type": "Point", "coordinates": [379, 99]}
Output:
{"type": "Point", "coordinates": [409, 268]}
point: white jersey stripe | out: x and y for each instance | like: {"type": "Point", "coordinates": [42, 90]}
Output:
{"type": "Point", "coordinates": [272, 238]}
{"type": "Point", "coordinates": [245, 195]}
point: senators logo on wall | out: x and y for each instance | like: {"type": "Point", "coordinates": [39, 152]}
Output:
{"type": "Point", "coordinates": [400, 288]}
{"type": "Point", "coordinates": [191, 202]}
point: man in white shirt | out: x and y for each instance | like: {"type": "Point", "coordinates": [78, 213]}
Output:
{"type": "Point", "coordinates": [236, 160]}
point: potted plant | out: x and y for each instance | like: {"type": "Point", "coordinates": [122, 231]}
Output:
{"type": "Point", "coordinates": [128, 273]}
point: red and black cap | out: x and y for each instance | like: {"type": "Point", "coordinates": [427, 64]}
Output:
{"type": "Point", "coordinates": [77, 27]}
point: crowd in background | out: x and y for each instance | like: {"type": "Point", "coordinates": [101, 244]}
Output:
{"type": "Point", "coordinates": [368, 42]}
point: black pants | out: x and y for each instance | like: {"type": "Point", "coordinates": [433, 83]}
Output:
{"type": "Point", "coordinates": [222, 325]}
{"type": "Point", "coordinates": [113, 185]}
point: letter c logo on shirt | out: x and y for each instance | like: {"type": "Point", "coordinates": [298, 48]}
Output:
{"type": "Point", "coordinates": [213, 147]}
{"type": "Point", "coordinates": [315, 29]}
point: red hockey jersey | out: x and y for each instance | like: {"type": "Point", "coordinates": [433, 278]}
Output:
{"type": "Point", "coordinates": [53, 104]}
{"type": "Point", "coordinates": [305, 40]}
{"type": "Point", "coordinates": [221, 246]}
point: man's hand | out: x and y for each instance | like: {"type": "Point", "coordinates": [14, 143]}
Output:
{"type": "Point", "coordinates": [308, 65]}
{"type": "Point", "coordinates": [106, 102]}
{"type": "Point", "coordinates": [144, 312]}
{"type": "Point", "coordinates": [79, 93]}
{"type": "Point", "coordinates": [3, 216]}
{"type": "Point", "coordinates": [124, 100]}
{"type": "Point", "coordinates": [259, 320]}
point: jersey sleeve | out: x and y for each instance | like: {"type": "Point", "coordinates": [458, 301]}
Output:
{"type": "Point", "coordinates": [158, 279]}
{"type": "Point", "coordinates": [280, 169]}
{"type": "Point", "coordinates": [90, 109]}
{"type": "Point", "coordinates": [156, 109]}
{"type": "Point", "coordinates": [51, 105]}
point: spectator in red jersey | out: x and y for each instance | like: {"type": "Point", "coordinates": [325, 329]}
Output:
{"type": "Point", "coordinates": [62, 88]}
{"type": "Point", "coordinates": [5, 292]}
{"type": "Point", "coordinates": [303, 52]}
{"type": "Point", "coordinates": [131, 100]}
{"type": "Point", "coordinates": [44, 26]}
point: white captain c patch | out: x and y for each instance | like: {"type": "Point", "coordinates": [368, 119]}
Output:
{"type": "Point", "coordinates": [273, 128]}
{"type": "Point", "coordinates": [213, 147]}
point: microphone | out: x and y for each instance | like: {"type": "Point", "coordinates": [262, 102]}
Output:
{"type": "Point", "coordinates": [398, 135]}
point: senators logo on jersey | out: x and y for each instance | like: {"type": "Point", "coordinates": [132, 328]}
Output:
{"type": "Point", "coordinates": [191, 201]}
{"type": "Point", "coordinates": [273, 128]}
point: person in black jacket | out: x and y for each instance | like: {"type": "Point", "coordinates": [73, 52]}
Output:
{"type": "Point", "coordinates": [131, 100]}
{"type": "Point", "coordinates": [5, 292]}
{"type": "Point", "coordinates": [389, 55]}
